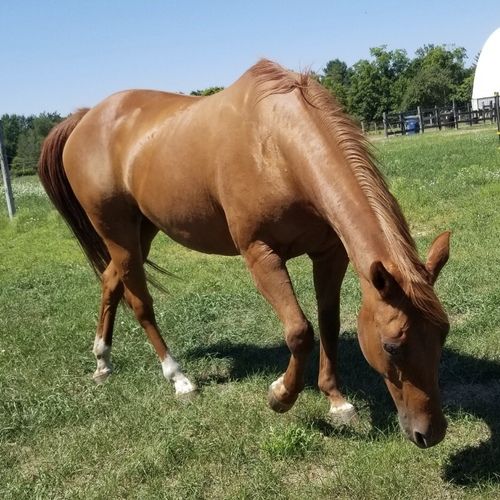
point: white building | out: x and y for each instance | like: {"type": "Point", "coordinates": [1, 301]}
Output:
{"type": "Point", "coordinates": [487, 77]}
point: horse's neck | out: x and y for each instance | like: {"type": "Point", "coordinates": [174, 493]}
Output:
{"type": "Point", "coordinates": [357, 226]}
{"type": "Point", "coordinates": [335, 192]}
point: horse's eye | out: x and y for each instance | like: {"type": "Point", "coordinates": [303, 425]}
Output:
{"type": "Point", "coordinates": [392, 349]}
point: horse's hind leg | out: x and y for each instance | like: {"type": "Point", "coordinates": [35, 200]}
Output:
{"type": "Point", "coordinates": [272, 280]}
{"type": "Point", "coordinates": [112, 293]}
{"type": "Point", "coordinates": [128, 258]}
{"type": "Point", "coordinates": [329, 270]}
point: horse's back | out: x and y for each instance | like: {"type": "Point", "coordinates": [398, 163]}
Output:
{"type": "Point", "coordinates": [108, 132]}
{"type": "Point", "coordinates": [134, 151]}
{"type": "Point", "coordinates": [207, 171]}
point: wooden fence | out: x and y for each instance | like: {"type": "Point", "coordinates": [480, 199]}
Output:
{"type": "Point", "coordinates": [422, 119]}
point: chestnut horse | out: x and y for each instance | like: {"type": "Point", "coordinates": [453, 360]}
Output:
{"type": "Point", "coordinates": [269, 168]}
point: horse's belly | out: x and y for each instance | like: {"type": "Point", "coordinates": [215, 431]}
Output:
{"type": "Point", "coordinates": [195, 236]}
{"type": "Point", "coordinates": [205, 232]}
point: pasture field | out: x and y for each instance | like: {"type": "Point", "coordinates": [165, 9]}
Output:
{"type": "Point", "coordinates": [61, 436]}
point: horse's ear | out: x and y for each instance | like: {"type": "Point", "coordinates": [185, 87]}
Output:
{"type": "Point", "coordinates": [383, 280]}
{"type": "Point", "coordinates": [438, 255]}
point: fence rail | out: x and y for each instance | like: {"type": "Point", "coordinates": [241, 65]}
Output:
{"type": "Point", "coordinates": [421, 119]}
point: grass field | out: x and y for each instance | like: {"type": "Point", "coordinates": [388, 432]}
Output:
{"type": "Point", "coordinates": [61, 436]}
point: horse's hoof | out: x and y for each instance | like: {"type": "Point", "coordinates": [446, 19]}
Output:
{"type": "Point", "coordinates": [100, 376]}
{"type": "Point", "coordinates": [187, 398]}
{"type": "Point", "coordinates": [276, 403]}
{"type": "Point", "coordinates": [184, 388]}
{"type": "Point", "coordinates": [343, 414]}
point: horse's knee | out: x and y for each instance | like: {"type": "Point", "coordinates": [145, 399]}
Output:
{"type": "Point", "coordinates": [300, 337]}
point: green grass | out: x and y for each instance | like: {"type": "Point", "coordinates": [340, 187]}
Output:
{"type": "Point", "coordinates": [63, 437]}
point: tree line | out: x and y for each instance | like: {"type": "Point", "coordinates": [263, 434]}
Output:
{"type": "Point", "coordinates": [388, 81]}
{"type": "Point", "coordinates": [391, 81]}
{"type": "Point", "coordinates": [23, 137]}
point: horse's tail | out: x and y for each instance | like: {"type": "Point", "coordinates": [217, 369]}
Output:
{"type": "Point", "coordinates": [57, 186]}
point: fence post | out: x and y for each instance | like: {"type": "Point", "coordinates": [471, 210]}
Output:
{"type": "Point", "coordinates": [455, 121]}
{"type": "Point", "coordinates": [4, 166]}
{"type": "Point", "coordinates": [437, 115]}
{"type": "Point", "coordinates": [402, 124]}
{"type": "Point", "coordinates": [497, 113]}
{"type": "Point", "coordinates": [469, 110]}
{"type": "Point", "coordinates": [384, 118]}
{"type": "Point", "coordinates": [420, 120]}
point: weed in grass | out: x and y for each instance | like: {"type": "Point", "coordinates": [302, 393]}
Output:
{"type": "Point", "coordinates": [293, 441]}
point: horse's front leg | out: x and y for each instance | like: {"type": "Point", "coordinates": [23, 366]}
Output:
{"type": "Point", "coordinates": [329, 270]}
{"type": "Point", "coordinates": [273, 281]}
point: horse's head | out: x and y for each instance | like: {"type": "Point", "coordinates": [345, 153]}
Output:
{"type": "Point", "coordinates": [404, 345]}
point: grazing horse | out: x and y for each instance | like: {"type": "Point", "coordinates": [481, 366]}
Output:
{"type": "Point", "coordinates": [269, 168]}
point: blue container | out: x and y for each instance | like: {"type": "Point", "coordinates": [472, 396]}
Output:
{"type": "Point", "coordinates": [412, 125]}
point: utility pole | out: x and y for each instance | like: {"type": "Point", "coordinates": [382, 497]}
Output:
{"type": "Point", "coordinates": [11, 207]}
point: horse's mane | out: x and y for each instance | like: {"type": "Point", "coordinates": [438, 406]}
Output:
{"type": "Point", "coordinates": [271, 79]}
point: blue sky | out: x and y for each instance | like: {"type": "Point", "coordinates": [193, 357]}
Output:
{"type": "Point", "coordinates": [59, 55]}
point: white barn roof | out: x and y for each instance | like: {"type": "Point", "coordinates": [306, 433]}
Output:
{"type": "Point", "coordinates": [487, 77]}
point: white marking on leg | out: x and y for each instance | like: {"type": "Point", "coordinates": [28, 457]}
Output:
{"type": "Point", "coordinates": [102, 352]}
{"type": "Point", "coordinates": [277, 383]}
{"type": "Point", "coordinates": [343, 408]}
{"type": "Point", "coordinates": [172, 372]}
{"type": "Point", "coordinates": [344, 413]}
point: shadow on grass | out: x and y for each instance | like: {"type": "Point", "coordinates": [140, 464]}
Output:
{"type": "Point", "coordinates": [472, 386]}
{"type": "Point", "coordinates": [469, 385]}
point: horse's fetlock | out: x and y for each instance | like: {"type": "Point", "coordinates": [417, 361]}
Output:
{"type": "Point", "coordinates": [101, 349]}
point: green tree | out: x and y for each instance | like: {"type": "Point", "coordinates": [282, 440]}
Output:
{"type": "Point", "coordinates": [336, 77]}
{"type": "Point", "coordinates": [43, 123]}
{"type": "Point", "coordinates": [28, 151]}
{"type": "Point", "coordinates": [12, 127]}
{"type": "Point", "coordinates": [377, 85]}
{"type": "Point", "coordinates": [391, 81]}
{"type": "Point", "coordinates": [435, 75]}
{"type": "Point", "coordinates": [463, 92]}
{"type": "Point", "coordinates": [364, 92]}
{"type": "Point", "coordinates": [392, 66]}
{"type": "Point", "coordinates": [207, 91]}
{"type": "Point", "coordinates": [29, 142]}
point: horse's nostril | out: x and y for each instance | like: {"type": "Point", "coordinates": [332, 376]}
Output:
{"type": "Point", "coordinates": [420, 439]}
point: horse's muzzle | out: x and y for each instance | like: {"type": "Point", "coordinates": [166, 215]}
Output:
{"type": "Point", "coordinates": [424, 435]}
